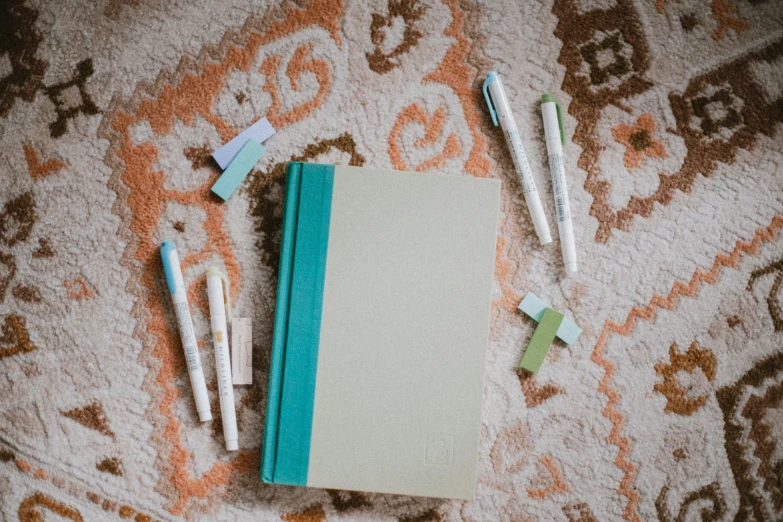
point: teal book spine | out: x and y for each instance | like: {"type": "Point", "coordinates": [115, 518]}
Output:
{"type": "Point", "coordinates": [296, 336]}
{"type": "Point", "coordinates": [293, 179]}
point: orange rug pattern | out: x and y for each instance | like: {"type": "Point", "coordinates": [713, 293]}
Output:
{"type": "Point", "coordinates": [670, 405]}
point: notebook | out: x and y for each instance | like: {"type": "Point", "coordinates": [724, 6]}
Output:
{"type": "Point", "coordinates": [381, 330]}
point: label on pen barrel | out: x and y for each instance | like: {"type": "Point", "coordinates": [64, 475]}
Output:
{"type": "Point", "coordinates": [223, 363]}
{"type": "Point", "coordinates": [559, 187]}
{"type": "Point", "coordinates": [188, 336]}
{"type": "Point", "coordinates": [521, 165]}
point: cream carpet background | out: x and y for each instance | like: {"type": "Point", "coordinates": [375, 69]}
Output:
{"type": "Point", "coordinates": [670, 406]}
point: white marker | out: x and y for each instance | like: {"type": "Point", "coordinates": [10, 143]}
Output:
{"type": "Point", "coordinates": [555, 139]}
{"type": "Point", "coordinates": [179, 295]}
{"type": "Point", "coordinates": [500, 110]}
{"type": "Point", "coordinates": [217, 315]}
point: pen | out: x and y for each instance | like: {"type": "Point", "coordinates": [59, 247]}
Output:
{"type": "Point", "coordinates": [554, 131]}
{"type": "Point", "coordinates": [217, 316]}
{"type": "Point", "coordinates": [500, 110]}
{"type": "Point", "coordinates": [178, 294]}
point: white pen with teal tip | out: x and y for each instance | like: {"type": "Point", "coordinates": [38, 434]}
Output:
{"type": "Point", "coordinates": [554, 130]}
{"type": "Point", "coordinates": [176, 284]}
{"type": "Point", "coordinates": [217, 316]}
{"type": "Point", "coordinates": [500, 110]}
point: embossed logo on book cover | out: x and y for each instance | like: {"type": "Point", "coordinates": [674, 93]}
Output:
{"type": "Point", "coordinates": [440, 450]}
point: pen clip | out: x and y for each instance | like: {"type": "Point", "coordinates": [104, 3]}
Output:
{"type": "Point", "coordinates": [560, 121]}
{"type": "Point", "coordinates": [491, 77]}
{"type": "Point", "coordinates": [214, 271]}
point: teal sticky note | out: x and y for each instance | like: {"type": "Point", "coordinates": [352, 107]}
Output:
{"type": "Point", "coordinates": [542, 339]}
{"type": "Point", "coordinates": [238, 169]}
{"type": "Point", "coordinates": [534, 307]}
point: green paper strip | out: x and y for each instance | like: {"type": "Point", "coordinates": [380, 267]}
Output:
{"type": "Point", "coordinates": [534, 307]}
{"type": "Point", "coordinates": [238, 170]}
{"type": "Point", "coordinates": [542, 339]}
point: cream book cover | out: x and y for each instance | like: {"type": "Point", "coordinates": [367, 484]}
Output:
{"type": "Point", "coordinates": [381, 331]}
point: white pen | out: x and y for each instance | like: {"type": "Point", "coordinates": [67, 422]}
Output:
{"type": "Point", "coordinates": [217, 316]}
{"type": "Point", "coordinates": [500, 110]}
{"type": "Point", "coordinates": [179, 295]}
{"type": "Point", "coordinates": [555, 139]}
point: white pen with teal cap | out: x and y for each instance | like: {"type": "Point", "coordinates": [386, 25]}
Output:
{"type": "Point", "coordinates": [554, 130]}
{"type": "Point", "coordinates": [179, 295]}
{"type": "Point", "coordinates": [500, 110]}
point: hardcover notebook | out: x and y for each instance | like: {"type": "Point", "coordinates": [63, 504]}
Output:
{"type": "Point", "coordinates": [381, 330]}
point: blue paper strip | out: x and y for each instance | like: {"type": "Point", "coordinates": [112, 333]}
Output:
{"type": "Point", "coordinates": [259, 132]}
{"type": "Point", "coordinates": [534, 307]}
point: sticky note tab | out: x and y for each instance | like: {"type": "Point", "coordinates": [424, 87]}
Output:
{"type": "Point", "coordinates": [238, 170]}
{"type": "Point", "coordinates": [542, 339]}
{"type": "Point", "coordinates": [534, 307]}
{"type": "Point", "coordinates": [242, 350]}
{"type": "Point", "coordinates": [259, 132]}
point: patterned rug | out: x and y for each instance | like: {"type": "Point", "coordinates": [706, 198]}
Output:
{"type": "Point", "coordinates": [668, 408]}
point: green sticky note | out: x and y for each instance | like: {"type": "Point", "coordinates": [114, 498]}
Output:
{"type": "Point", "coordinates": [238, 170]}
{"type": "Point", "coordinates": [542, 339]}
{"type": "Point", "coordinates": [534, 307]}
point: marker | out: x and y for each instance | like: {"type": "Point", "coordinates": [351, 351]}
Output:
{"type": "Point", "coordinates": [178, 294]}
{"type": "Point", "coordinates": [500, 110]}
{"type": "Point", "coordinates": [217, 316]}
{"type": "Point", "coordinates": [554, 130]}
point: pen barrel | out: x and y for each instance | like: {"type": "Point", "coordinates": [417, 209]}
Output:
{"type": "Point", "coordinates": [186, 332]}
{"type": "Point", "coordinates": [563, 211]}
{"type": "Point", "coordinates": [522, 167]}
{"type": "Point", "coordinates": [217, 314]}
{"type": "Point", "coordinates": [188, 337]}
{"type": "Point", "coordinates": [554, 147]}
{"type": "Point", "coordinates": [192, 358]}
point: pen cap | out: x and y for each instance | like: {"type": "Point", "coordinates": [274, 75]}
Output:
{"type": "Point", "coordinates": [496, 99]}
{"type": "Point", "coordinates": [499, 98]}
{"type": "Point", "coordinates": [215, 272]}
{"type": "Point", "coordinates": [491, 77]}
{"type": "Point", "coordinates": [554, 127]}
{"type": "Point", "coordinates": [168, 253]}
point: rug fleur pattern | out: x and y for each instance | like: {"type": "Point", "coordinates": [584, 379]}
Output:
{"type": "Point", "coordinates": [668, 408]}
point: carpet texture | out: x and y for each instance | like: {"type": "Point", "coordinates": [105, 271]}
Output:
{"type": "Point", "coordinates": [668, 408]}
